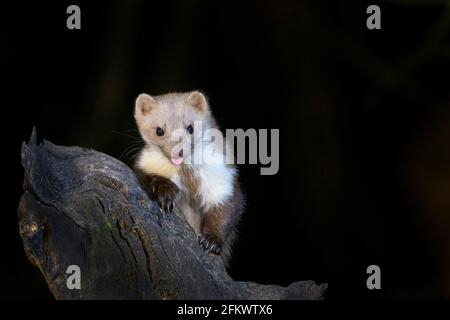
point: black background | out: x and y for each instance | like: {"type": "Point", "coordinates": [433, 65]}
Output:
{"type": "Point", "coordinates": [363, 116]}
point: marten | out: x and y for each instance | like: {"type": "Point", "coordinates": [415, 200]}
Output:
{"type": "Point", "coordinates": [175, 130]}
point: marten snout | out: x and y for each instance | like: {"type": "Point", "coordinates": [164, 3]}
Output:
{"type": "Point", "coordinates": [176, 156]}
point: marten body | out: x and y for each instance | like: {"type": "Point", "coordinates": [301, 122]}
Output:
{"type": "Point", "coordinates": [175, 127]}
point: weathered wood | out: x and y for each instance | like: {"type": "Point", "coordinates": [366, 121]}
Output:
{"type": "Point", "coordinates": [81, 207]}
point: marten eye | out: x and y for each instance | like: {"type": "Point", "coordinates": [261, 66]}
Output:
{"type": "Point", "coordinates": [190, 129]}
{"type": "Point", "coordinates": [159, 132]}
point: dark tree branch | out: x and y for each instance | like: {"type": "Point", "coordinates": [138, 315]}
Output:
{"type": "Point", "coordinates": [81, 207]}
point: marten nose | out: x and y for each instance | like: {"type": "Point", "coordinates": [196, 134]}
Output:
{"type": "Point", "coordinates": [181, 153]}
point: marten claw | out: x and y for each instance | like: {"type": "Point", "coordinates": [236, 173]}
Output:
{"type": "Point", "coordinates": [209, 245]}
{"type": "Point", "coordinates": [165, 202]}
{"type": "Point", "coordinates": [166, 205]}
{"type": "Point", "coordinates": [164, 192]}
{"type": "Point", "coordinates": [215, 248]}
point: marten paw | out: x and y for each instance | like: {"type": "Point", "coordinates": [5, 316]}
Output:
{"type": "Point", "coordinates": [209, 243]}
{"type": "Point", "coordinates": [164, 192]}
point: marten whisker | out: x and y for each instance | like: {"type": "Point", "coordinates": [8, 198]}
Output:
{"type": "Point", "coordinates": [126, 135]}
{"type": "Point", "coordinates": [133, 148]}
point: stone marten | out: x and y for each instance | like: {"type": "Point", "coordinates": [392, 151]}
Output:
{"type": "Point", "coordinates": [175, 130]}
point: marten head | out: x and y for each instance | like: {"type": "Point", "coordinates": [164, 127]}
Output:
{"type": "Point", "coordinates": [173, 122]}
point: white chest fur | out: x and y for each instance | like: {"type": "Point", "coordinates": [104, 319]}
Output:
{"type": "Point", "coordinates": [216, 183]}
{"type": "Point", "coordinates": [215, 178]}
{"type": "Point", "coordinates": [152, 161]}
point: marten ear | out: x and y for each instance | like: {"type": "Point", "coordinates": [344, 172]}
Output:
{"type": "Point", "coordinates": [198, 101]}
{"type": "Point", "coordinates": [144, 103]}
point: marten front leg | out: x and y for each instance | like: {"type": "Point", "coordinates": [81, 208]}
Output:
{"type": "Point", "coordinates": [159, 189]}
{"type": "Point", "coordinates": [214, 229]}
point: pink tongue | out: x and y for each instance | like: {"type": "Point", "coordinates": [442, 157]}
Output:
{"type": "Point", "coordinates": [177, 162]}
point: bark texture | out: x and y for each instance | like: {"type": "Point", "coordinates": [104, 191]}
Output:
{"type": "Point", "coordinates": [81, 207]}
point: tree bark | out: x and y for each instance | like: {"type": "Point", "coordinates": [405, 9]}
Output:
{"type": "Point", "coordinates": [81, 207]}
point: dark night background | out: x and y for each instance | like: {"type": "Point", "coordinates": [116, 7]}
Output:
{"type": "Point", "coordinates": [364, 119]}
